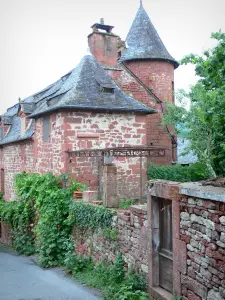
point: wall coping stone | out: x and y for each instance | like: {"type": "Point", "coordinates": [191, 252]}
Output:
{"type": "Point", "coordinates": [209, 192]}
{"type": "Point", "coordinates": [141, 209]}
{"type": "Point", "coordinates": [172, 190]}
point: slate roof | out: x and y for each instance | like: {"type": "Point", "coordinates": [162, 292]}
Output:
{"type": "Point", "coordinates": [144, 42]}
{"type": "Point", "coordinates": [14, 132]}
{"type": "Point", "coordinates": [81, 89]}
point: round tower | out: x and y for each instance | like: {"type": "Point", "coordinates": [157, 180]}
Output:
{"type": "Point", "coordinates": [148, 59]}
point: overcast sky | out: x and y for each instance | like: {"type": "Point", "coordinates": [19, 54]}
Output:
{"type": "Point", "coordinates": [41, 40]}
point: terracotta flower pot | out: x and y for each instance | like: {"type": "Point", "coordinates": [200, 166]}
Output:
{"type": "Point", "coordinates": [77, 195]}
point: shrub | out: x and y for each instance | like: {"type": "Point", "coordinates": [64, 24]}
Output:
{"type": "Point", "coordinates": [126, 203]}
{"type": "Point", "coordinates": [194, 172]}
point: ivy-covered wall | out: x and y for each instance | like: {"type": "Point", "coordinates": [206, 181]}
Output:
{"type": "Point", "coordinates": [128, 235]}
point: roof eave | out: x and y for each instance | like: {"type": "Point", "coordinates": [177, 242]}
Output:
{"type": "Point", "coordinates": [18, 140]}
{"type": "Point", "coordinates": [173, 62]}
{"type": "Point", "coordinates": [100, 109]}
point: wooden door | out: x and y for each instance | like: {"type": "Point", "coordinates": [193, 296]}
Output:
{"type": "Point", "coordinates": [166, 246]}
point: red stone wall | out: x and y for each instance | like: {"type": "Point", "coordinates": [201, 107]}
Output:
{"type": "Point", "coordinates": [131, 240]}
{"type": "Point", "coordinates": [50, 155]}
{"type": "Point", "coordinates": [202, 229]}
{"type": "Point", "coordinates": [159, 76]}
{"type": "Point", "coordinates": [15, 158]}
{"type": "Point", "coordinates": [5, 236]}
{"type": "Point", "coordinates": [104, 47]}
{"type": "Point", "coordinates": [98, 130]}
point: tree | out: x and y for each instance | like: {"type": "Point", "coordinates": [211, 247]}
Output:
{"type": "Point", "coordinates": [205, 120]}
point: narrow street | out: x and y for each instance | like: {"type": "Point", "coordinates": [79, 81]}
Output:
{"type": "Point", "coordinates": [22, 279]}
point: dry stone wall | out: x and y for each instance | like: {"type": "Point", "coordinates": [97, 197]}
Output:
{"type": "Point", "coordinates": [202, 228]}
{"type": "Point", "coordinates": [131, 240]}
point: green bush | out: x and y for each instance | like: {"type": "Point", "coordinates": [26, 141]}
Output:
{"type": "Point", "coordinates": [126, 203]}
{"type": "Point", "coordinates": [75, 263]}
{"type": "Point", "coordinates": [194, 172]}
{"type": "Point", "coordinates": [110, 278]}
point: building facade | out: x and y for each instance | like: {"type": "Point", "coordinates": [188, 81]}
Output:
{"type": "Point", "coordinates": [115, 97]}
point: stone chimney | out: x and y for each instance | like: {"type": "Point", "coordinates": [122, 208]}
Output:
{"type": "Point", "coordinates": [103, 44]}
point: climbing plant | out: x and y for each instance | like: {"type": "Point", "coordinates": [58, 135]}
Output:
{"type": "Point", "coordinates": [86, 216]}
{"type": "Point", "coordinates": [37, 217]}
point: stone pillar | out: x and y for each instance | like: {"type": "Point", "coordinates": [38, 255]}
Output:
{"type": "Point", "coordinates": [109, 186]}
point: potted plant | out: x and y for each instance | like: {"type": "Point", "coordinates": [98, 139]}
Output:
{"type": "Point", "coordinates": [78, 194]}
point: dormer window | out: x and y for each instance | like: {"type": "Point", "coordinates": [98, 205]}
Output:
{"type": "Point", "coordinates": [107, 90]}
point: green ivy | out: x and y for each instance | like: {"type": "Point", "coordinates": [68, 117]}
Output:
{"type": "Point", "coordinates": [37, 217]}
{"type": "Point", "coordinates": [86, 216]}
{"type": "Point", "coordinates": [20, 216]}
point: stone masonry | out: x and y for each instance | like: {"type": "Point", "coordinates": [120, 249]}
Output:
{"type": "Point", "coordinates": [132, 239]}
{"type": "Point", "coordinates": [198, 240]}
{"type": "Point", "coordinates": [202, 228]}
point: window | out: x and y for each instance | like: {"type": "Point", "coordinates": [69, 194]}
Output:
{"type": "Point", "coordinates": [1, 133]}
{"type": "Point", "coordinates": [22, 126]}
{"type": "Point", "coordinates": [46, 128]}
{"type": "Point", "coordinates": [107, 90]}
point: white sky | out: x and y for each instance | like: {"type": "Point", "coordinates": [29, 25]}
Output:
{"type": "Point", "coordinates": [41, 40]}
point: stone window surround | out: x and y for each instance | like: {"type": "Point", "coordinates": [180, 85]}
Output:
{"type": "Point", "coordinates": [170, 191]}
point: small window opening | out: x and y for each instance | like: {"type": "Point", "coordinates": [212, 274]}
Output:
{"type": "Point", "coordinates": [119, 55]}
{"type": "Point", "coordinates": [1, 133]}
{"type": "Point", "coordinates": [46, 128]}
{"type": "Point", "coordinates": [22, 126]}
{"type": "Point", "coordinates": [107, 90]}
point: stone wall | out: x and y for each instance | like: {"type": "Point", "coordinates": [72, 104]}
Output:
{"type": "Point", "coordinates": [198, 239]}
{"type": "Point", "coordinates": [132, 240]}
{"type": "Point", "coordinates": [5, 234]}
{"type": "Point", "coordinates": [202, 228]}
{"type": "Point", "coordinates": [15, 158]}
{"type": "Point", "coordinates": [159, 76]}
{"type": "Point", "coordinates": [86, 130]}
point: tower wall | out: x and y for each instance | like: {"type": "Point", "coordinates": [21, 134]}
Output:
{"type": "Point", "coordinates": [158, 75]}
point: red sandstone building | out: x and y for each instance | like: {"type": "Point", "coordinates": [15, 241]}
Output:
{"type": "Point", "coordinates": [114, 98]}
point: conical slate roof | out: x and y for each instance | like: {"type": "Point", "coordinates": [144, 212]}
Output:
{"type": "Point", "coordinates": [144, 42]}
{"type": "Point", "coordinates": [87, 87]}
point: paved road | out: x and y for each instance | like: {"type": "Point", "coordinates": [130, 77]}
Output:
{"type": "Point", "coordinates": [22, 279]}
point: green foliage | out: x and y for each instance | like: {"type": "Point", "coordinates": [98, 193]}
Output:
{"type": "Point", "coordinates": [110, 278]}
{"type": "Point", "coordinates": [126, 203]}
{"type": "Point", "coordinates": [194, 172]}
{"type": "Point", "coordinates": [205, 119]}
{"type": "Point", "coordinates": [53, 234]}
{"type": "Point", "coordinates": [20, 215]}
{"type": "Point", "coordinates": [75, 263]}
{"type": "Point", "coordinates": [42, 220]}
{"type": "Point", "coordinates": [110, 234]}
{"type": "Point", "coordinates": [40, 213]}
{"type": "Point", "coordinates": [137, 281]}
{"type": "Point", "coordinates": [87, 216]}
